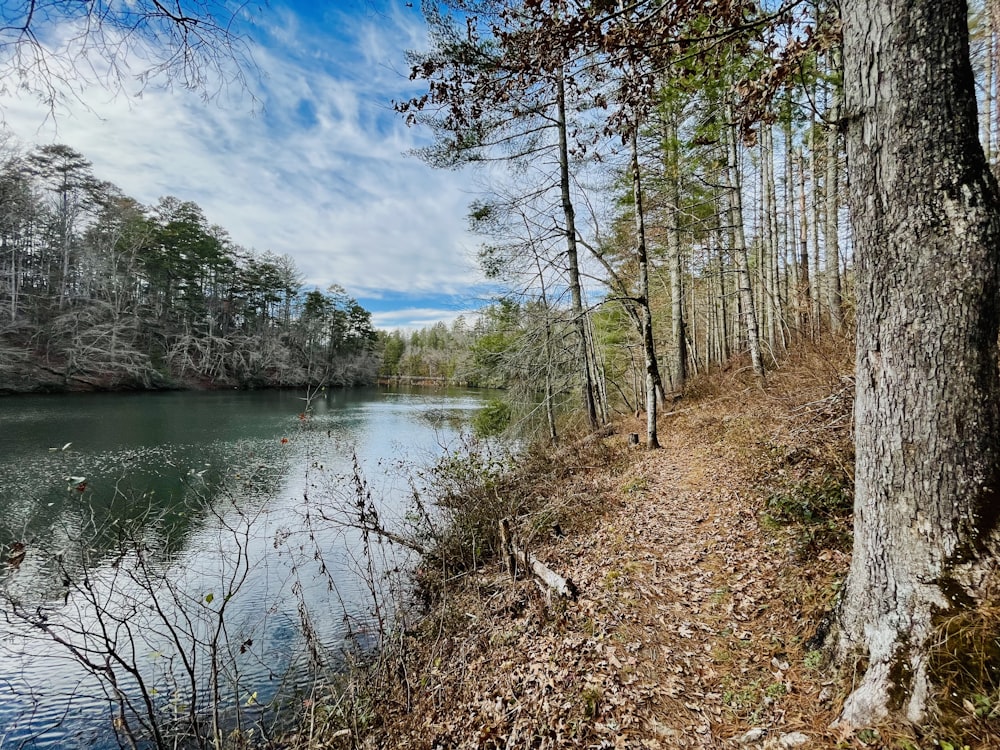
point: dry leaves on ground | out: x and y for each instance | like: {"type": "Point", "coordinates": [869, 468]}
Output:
{"type": "Point", "coordinates": [688, 631]}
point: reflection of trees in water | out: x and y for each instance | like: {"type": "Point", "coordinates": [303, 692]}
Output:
{"type": "Point", "coordinates": [185, 619]}
{"type": "Point", "coordinates": [160, 490]}
{"type": "Point", "coordinates": [204, 605]}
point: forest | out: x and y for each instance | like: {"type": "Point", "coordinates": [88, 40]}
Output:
{"type": "Point", "coordinates": [645, 222]}
{"type": "Point", "coordinates": [674, 188]}
{"type": "Point", "coordinates": [99, 292]}
{"type": "Point", "coordinates": [669, 189]}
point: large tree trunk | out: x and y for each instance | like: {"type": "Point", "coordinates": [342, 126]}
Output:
{"type": "Point", "coordinates": [927, 243]}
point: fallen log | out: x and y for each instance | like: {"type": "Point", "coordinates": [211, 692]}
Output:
{"type": "Point", "coordinates": [514, 557]}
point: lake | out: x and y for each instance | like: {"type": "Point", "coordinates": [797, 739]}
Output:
{"type": "Point", "coordinates": [165, 553]}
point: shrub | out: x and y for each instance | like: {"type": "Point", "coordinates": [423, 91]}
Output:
{"type": "Point", "coordinates": [811, 501]}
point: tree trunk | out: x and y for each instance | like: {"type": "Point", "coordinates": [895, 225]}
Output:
{"type": "Point", "coordinates": [803, 291]}
{"type": "Point", "coordinates": [678, 366]}
{"type": "Point", "coordinates": [740, 249]}
{"type": "Point", "coordinates": [790, 313]}
{"type": "Point", "coordinates": [767, 276]}
{"type": "Point", "coordinates": [927, 417]}
{"type": "Point", "coordinates": [723, 306]}
{"type": "Point", "coordinates": [646, 327]}
{"type": "Point", "coordinates": [993, 8]}
{"type": "Point", "coordinates": [815, 293]}
{"type": "Point", "coordinates": [775, 334]}
{"type": "Point", "coordinates": [569, 216]}
{"type": "Point", "coordinates": [987, 115]}
{"type": "Point", "coordinates": [832, 195]}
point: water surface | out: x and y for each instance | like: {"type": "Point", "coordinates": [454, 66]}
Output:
{"type": "Point", "coordinates": [245, 507]}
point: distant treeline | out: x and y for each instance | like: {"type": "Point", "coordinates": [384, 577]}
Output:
{"type": "Point", "coordinates": [503, 346]}
{"type": "Point", "coordinates": [98, 291]}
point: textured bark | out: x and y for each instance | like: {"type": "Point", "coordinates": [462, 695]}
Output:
{"type": "Point", "coordinates": [927, 245]}
{"type": "Point", "coordinates": [832, 194]}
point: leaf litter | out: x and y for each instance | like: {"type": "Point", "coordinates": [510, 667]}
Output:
{"type": "Point", "coordinates": [690, 629]}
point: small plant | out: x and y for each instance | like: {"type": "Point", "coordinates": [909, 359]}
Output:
{"type": "Point", "coordinates": [868, 736]}
{"type": "Point", "coordinates": [635, 485]}
{"type": "Point", "coordinates": [813, 660]}
{"type": "Point", "coordinates": [591, 702]}
{"type": "Point", "coordinates": [746, 701]}
{"type": "Point", "coordinates": [808, 502]}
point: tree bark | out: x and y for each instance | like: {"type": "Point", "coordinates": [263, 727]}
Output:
{"type": "Point", "coordinates": [832, 194]}
{"type": "Point", "coordinates": [646, 316]}
{"type": "Point", "coordinates": [927, 244]}
{"type": "Point", "coordinates": [678, 353]}
{"type": "Point", "coordinates": [803, 291]}
{"type": "Point", "coordinates": [735, 203]}
{"type": "Point", "coordinates": [569, 216]}
{"type": "Point", "coordinates": [987, 137]}
{"type": "Point", "coordinates": [815, 294]}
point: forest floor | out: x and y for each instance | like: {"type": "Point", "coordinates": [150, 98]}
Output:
{"type": "Point", "coordinates": [705, 570]}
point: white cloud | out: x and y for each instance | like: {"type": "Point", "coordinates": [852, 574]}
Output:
{"type": "Point", "coordinates": [320, 172]}
{"type": "Point", "coordinates": [413, 319]}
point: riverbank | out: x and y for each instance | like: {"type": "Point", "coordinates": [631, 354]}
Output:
{"type": "Point", "coordinates": [705, 572]}
{"type": "Point", "coordinates": [33, 378]}
{"type": "Point", "coordinates": [423, 381]}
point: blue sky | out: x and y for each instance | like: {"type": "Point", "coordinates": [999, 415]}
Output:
{"type": "Point", "coordinates": [317, 167]}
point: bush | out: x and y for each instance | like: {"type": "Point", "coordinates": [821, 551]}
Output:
{"type": "Point", "coordinates": [811, 501]}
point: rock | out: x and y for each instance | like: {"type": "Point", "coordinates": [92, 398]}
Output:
{"type": "Point", "coordinates": [754, 735]}
{"type": "Point", "coordinates": [792, 739]}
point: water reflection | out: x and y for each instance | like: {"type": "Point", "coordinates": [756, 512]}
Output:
{"type": "Point", "coordinates": [196, 555]}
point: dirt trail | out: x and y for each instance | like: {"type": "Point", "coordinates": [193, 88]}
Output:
{"type": "Point", "coordinates": [688, 631]}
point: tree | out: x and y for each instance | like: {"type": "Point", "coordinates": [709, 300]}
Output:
{"type": "Point", "coordinates": [926, 218]}
{"type": "Point", "coordinates": [65, 173]}
{"type": "Point", "coordinates": [493, 95]}
{"type": "Point", "coordinates": [54, 48]}
{"type": "Point", "coordinates": [18, 215]}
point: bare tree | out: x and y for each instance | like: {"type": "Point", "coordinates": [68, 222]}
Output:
{"type": "Point", "coordinates": [53, 48]}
